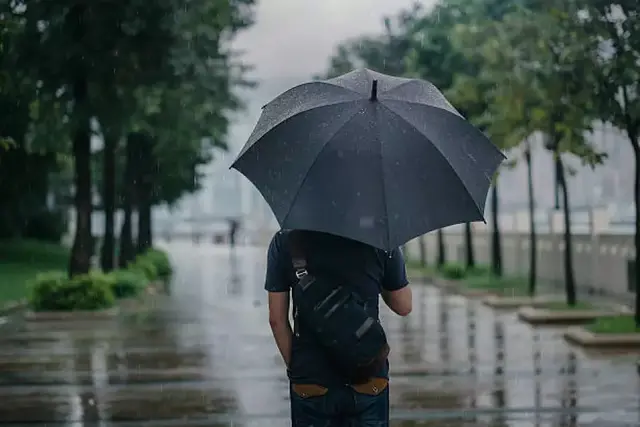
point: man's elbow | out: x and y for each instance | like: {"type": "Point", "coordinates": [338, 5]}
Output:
{"type": "Point", "coordinates": [400, 301]}
{"type": "Point", "coordinates": [278, 322]}
{"type": "Point", "coordinates": [404, 310]}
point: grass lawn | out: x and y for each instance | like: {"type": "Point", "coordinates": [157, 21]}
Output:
{"type": "Point", "coordinates": [580, 305]}
{"type": "Point", "coordinates": [415, 267]}
{"type": "Point", "coordinates": [22, 260]}
{"type": "Point", "coordinates": [624, 324]}
{"type": "Point", "coordinates": [505, 286]}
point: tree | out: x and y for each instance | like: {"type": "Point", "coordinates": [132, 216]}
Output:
{"type": "Point", "coordinates": [28, 150]}
{"type": "Point", "coordinates": [509, 98]}
{"type": "Point", "coordinates": [141, 47]}
{"type": "Point", "coordinates": [548, 52]}
{"type": "Point", "coordinates": [385, 53]}
{"type": "Point", "coordinates": [432, 56]}
{"type": "Point", "coordinates": [614, 27]}
{"type": "Point", "coordinates": [186, 117]}
{"type": "Point", "coordinates": [473, 91]}
{"type": "Point", "coordinates": [172, 90]}
{"type": "Point", "coordinates": [69, 48]}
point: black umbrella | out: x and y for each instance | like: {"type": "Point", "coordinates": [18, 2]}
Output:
{"type": "Point", "coordinates": [371, 157]}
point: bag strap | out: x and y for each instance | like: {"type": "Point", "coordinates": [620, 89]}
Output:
{"type": "Point", "coordinates": [298, 259]}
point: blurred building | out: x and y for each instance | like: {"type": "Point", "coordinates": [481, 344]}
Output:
{"type": "Point", "coordinates": [610, 184]}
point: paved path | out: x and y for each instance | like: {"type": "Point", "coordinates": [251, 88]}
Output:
{"type": "Point", "coordinates": [205, 357]}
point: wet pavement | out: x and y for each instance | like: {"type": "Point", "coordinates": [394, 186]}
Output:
{"type": "Point", "coordinates": [204, 356]}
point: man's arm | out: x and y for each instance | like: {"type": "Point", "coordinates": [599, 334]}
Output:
{"type": "Point", "coordinates": [280, 325]}
{"type": "Point", "coordinates": [277, 285]}
{"type": "Point", "coordinates": [400, 301]}
{"type": "Point", "coordinates": [395, 290]}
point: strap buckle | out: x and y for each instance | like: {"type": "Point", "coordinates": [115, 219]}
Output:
{"type": "Point", "coordinates": [302, 272]}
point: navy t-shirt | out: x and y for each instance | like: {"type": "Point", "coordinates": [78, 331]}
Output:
{"type": "Point", "coordinates": [367, 269]}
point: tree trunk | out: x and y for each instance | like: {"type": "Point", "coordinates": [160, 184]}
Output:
{"type": "Point", "coordinates": [468, 242]}
{"type": "Point", "coordinates": [81, 252]}
{"type": "Point", "coordinates": [422, 246]}
{"type": "Point", "coordinates": [570, 284]}
{"type": "Point", "coordinates": [496, 247]}
{"type": "Point", "coordinates": [145, 238]}
{"type": "Point", "coordinates": [108, 201]}
{"type": "Point", "coordinates": [127, 252]}
{"type": "Point", "coordinates": [636, 188]}
{"type": "Point", "coordinates": [533, 249]}
{"type": "Point", "coordinates": [144, 186]}
{"type": "Point", "coordinates": [442, 250]}
{"type": "Point", "coordinates": [557, 184]}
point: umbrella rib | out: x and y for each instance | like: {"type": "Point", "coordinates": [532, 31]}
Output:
{"type": "Point", "coordinates": [475, 204]}
{"type": "Point", "coordinates": [384, 192]}
{"type": "Point", "coordinates": [246, 148]}
{"type": "Point", "coordinates": [341, 87]}
{"type": "Point", "coordinates": [390, 92]}
{"type": "Point", "coordinates": [459, 116]}
{"type": "Point", "coordinates": [295, 197]}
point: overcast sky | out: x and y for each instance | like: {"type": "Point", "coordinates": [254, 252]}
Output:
{"type": "Point", "coordinates": [296, 37]}
{"type": "Point", "coordinates": [292, 40]}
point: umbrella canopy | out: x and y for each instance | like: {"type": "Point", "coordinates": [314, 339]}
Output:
{"type": "Point", "coordinates": [371, 157]}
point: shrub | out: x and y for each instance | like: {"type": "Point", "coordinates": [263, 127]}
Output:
{"type": "Point", "coordinates": [145, 266]}
{"type": "Point", "coordinates": [127, 283]}
{"type": "Point", "coordinates": [160, 260]}
{"type": "Point", "coordinates": [54, 292]}
{"type": "Point", "coordinates": [453, 271]}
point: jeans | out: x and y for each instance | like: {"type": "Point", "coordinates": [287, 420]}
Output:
{"type": "Point", "coordinates": [340, 407]}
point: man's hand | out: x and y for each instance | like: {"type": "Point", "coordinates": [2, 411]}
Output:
{"type": "Point", "coordinates": [279, 322]}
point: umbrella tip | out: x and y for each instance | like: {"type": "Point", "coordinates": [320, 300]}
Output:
{"type": "Point", "coordinates": [374, 90]}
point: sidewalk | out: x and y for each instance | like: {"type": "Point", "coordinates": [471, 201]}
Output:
{"type": "Point", "coordinates": [205, 357]}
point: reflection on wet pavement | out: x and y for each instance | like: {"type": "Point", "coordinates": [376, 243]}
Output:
{"type": "Point", "coordinates": [204, 356]}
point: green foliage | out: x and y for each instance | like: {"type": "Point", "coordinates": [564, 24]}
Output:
{"type": "Point", "coordinates": [161, 261]}
{"type": "Point", "coordinates": [186, 113]}
{"type": "Point", "coordinates": [453, 271]}
{"type": "Point", "coordinates": [613, 29]}
{"type": "Point", "coordinates": [458, 271]}
{"type": "Point", "coordinates": [55, 292]}
{"type": "Point", "coordinates": [479, 270]}
{"type": "Point", "coordinates": [127, 283]}
{"type": "Point", "coordinates": [386, 53]}
{"type": "Point", "coordinates": [144, 266]}
{"type": "Point", "coordinates": [164, 69]}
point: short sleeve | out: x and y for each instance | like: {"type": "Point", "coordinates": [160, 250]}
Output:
{"type": "Point", "coordinates": [395, 273]}
{"type": "Point", "coordinates": [277, 277]}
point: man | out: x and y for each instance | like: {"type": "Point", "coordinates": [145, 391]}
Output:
{"type": "Point", "coordinates": [319, 395]}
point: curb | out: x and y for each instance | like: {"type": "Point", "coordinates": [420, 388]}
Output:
{"type": "Point", "coordinates": [45, 316]}
{"type": "Point", "coordinates": [539, 316]}
{"type": "Point", "coordinates": [586, 338]}
{"type": "Point", "coordinates": [13, 307]}
{"type": "Point", "coordinates": [498, 302]}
